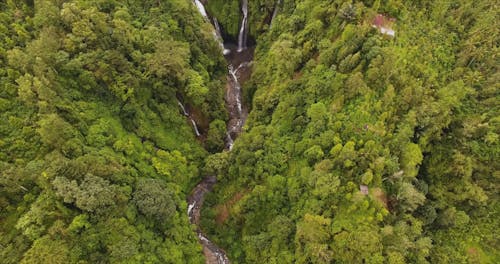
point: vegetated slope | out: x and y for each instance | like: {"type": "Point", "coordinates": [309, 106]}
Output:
{"type": "Point", "coordinates": [337, 105]}
{"type": "Point", "coordinates": [96, 158]}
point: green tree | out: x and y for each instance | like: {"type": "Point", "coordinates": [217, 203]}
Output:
{"type": "Point", "coordinates": [47, 250]}
{"type": "Point", "coordinates": [95, 194]}
{"type": "Point", "coordinates": [312, 240]}
{"type": "Point", "coordinates": [170, 60]}
{"type": "Point", "coordinates": [154, 200]}
{"type": "Point", "coordinates": [409, 197]}
{"type": "Point", "coordinates": [54, 131]}
{"type": "Point", "coordinates": [216, 136]}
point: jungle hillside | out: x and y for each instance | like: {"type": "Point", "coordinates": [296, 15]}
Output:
{"type": "Point", "coordinates": [249, 131]}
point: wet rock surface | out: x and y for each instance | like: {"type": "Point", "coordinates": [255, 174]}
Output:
{"type": "Point", "coordinates": [213, 254]}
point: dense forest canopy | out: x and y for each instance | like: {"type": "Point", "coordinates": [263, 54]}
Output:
{"type": "Point", "coordinates": [411, 119]}
{"type": "Point", "coordinates": [361, 146]}
{"type": "Point", "coordinates": [96, 158]}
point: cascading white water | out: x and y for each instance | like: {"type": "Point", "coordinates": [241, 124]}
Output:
{"type": "Point", "coordinates": [195, 127]}
{"type": "Point", "coordinates": [190, 209]}
{"type": "Point", "coordinates": [219, 36]}
{"type": "Point", "coordinates": [201, 8]}
{"type": "Point", "coordinates": [217, 33]}
{"type": "Point", "coordinates": [242, 37]}
{"type": "Point", "coordinates": [230, 141]}
{"type": "Point", "coordinates": [237, 116]}
{"type": "Point", "coordinates": [182, 108]}
{"type": "Point", "coordinates": [232, 73]}
{"type": "Point", "coordinates": [217, 27]}
{"type": "Point", "coordinates": [185, 112]}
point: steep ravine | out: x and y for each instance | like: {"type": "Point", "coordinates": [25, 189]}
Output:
{"type": "Point", "coordinates": [239, 59]}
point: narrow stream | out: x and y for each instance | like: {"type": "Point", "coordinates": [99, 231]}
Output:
{"type": "Point", "coordinates": [213, 254]}
{"type": "Point", "coordinates": [239, 58]}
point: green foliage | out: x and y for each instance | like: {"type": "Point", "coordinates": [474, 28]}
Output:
{"type": "Point", "coordinates": [338, 107]}
{"type": "Point", "coordinates": [54, 131]}
{"type": "Point", "coordinates": [228, 14]}
{"type": "Point", "coordinates": [47, 250]}
{"type": "Point", "coordinates": [154, 200]}
{"type": "Point", "coordinates": [97, 159]}
{"type": "Point", "coordinates": [89, 118]}
{"type": "Point", "coordinates": [216, 136]}
{"type": "Point", "coordinates": [93, 194]}
{"type": "Point", "coordinates": [312, 237]}
{"type": "Point", "coordinates": [169, 60]}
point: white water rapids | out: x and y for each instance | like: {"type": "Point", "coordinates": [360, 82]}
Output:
{"type": "Point", "coordinates": [237, 86]}
{"type": "Point", "coordinates": [242, 37]}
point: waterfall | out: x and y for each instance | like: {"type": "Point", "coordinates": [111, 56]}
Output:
{"type": "Point", "coordinates": [242, 37]}
{"type": "Point", "coordinates": [217, 32]}
{"type": "Point", "coordinates": [230, 141]}
{"type": "Point", "coordinates": [238, 71]}
{"type": "Point", "coordinates": [275, 11]}
{"type": "Point", "coordinates": [186, 113]}
{"type": "Point", "coordinates": [190, 209]}
{"type": "Point", "coordinates": [201, 8]}
{"type": "Point", "coordinates": [219, 37]}
{"type": "Point", "coordinates": [182, 108]}
{"type": "Point", "coordinates": [195, 127]}
{"type": "Point", "coordinates": [217, 28]}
